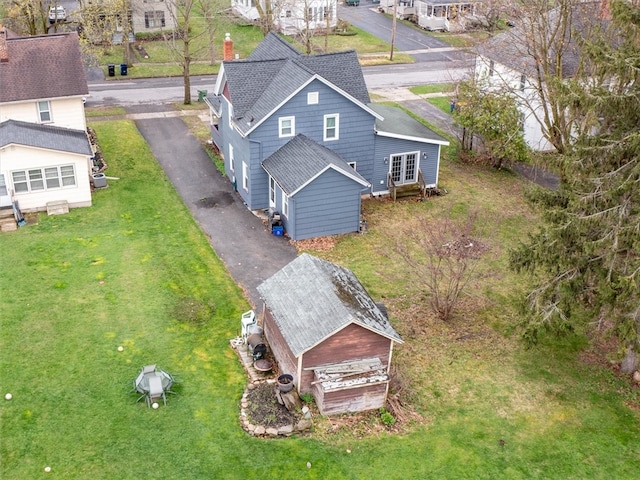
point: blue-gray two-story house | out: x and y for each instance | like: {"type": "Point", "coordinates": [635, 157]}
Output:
{"type": "Point", "coordinates": [299, 135]}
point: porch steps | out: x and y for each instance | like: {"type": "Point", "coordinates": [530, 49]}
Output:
{"type": "Point", "coordinates": [7, 220]}
{"type": "Point", "coordinates": [406, 191]}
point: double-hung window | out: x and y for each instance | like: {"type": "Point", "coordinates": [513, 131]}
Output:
{"type": "Point", "coordinates": [287, 126]}
{"type": "Point", "coordinates": [285, 204]}
{"type": "Point", "coordinates": [231, 169]}
{"type": "Point", "coordinates": [44, 111]}
{"type": "Point", "coordinates": [154, 19]}
{"type": "Point", "coordinates": [331, 127]}
{"type": "Point", "coordinates": [245, 177]}
{"type": "Point", "coordinates": [49, 178]}
{"type": "Point", "coordinates": [272, 192]}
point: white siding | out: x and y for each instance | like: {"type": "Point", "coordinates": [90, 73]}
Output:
{"type": "Point", "coordinates": [19, 158]}
{"type": "Point", "coordinates": [65, 112]}
{"type": "Point", "coordinates": [497, 77]}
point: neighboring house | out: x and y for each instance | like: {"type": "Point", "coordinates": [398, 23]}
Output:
{"type": "Point", "coordinates": [299, 136]}
{"type": "Point", "coordinates": [144, 16]}
{"type": "Point", "coordinates": [153, 15]}
{"type": "Point", "coordinates": [45, 154]}
{"type": "Point", "coordinates": [292, 17]}
{"type": "Point", "coordinates": [505, 64]}
{"type": "Point", "coordinates": [445, 15]}
{"type": "Point", "coordinates": [324, 329]}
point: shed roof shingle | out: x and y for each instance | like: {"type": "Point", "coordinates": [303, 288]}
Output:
{"type": "Point", "coordinates": [311, 299]}
{"type": "Point", "coordinates": [398, 122]}
{"type": "Point", "coordinates": [42, 67]}
{"type": "Point", "coordinates": [44, 136]}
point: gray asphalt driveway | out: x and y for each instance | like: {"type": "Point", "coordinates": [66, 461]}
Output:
{"type": "Point", "coordinates": [240, 239]}
{"type": "Point", "coordinates": [421, 46]}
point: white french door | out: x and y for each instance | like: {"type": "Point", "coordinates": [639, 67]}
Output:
{"type": "Point", "coordinates": [404, 168]}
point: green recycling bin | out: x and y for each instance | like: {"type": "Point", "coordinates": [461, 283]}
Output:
{"type": "Point", "coordinates": [202, 94]}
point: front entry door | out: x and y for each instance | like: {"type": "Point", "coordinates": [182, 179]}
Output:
{"type": "Point", "coordinates": [5, 199]}
{"type": "Point", "coordinates": [404, 168]}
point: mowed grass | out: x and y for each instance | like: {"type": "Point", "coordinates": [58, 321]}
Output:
{"type": "Point", "coordinates": [165, 59]}
{"type": "Point", "coordinates": [121, 272]}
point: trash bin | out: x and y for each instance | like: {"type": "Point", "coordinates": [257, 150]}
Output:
{"type": "Point", "coordinates": [202, 94]}
{"type": "Point", "coordinates": [112, 70]}
{"type": "Point", "coordinates": [123, 69]}
{"type": "Point", "coordinates": [99, 180]}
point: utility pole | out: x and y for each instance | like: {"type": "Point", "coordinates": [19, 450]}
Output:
{"type": "Point", "coordinates": [393, 28]}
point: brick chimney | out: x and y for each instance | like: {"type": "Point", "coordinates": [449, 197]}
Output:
{"type": "Point", "coordinates": [227, 48]}
{"type": "Point", "coordinates": [4, 50]}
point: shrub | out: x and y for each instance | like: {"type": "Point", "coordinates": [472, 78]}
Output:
{"type": "Point", "coordinates": [386, 417]}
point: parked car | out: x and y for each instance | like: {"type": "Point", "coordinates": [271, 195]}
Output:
{"type": "Point", "coordinates": [57, 14]}
{"type": "Point", "coordinates": [352, 3]}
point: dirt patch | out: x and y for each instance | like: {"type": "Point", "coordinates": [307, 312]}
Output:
{"type": "Point", "coordinates": [264, 409]}
{"type": "Point", "coordinates": [320, 244]}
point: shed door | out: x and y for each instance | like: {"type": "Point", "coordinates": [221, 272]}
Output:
{"type": "Point", "coordinates": [404, 168]}
{"type": "Point", "coordinates": [5, 199]}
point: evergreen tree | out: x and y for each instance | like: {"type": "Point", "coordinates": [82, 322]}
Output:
{"type": "Point", "coordinates": [586, 258]}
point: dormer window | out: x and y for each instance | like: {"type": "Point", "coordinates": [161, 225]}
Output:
{"type": "Point", "coordinates": [287, 126]}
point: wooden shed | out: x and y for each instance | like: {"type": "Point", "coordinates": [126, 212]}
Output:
{"type": "Point", "coordinates": [325, 330]}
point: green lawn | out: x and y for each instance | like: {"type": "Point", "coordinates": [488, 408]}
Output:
{"type": "Point", "coordinates": [134, 270]}
{"type": "Point", "coordinates": [163, 61]}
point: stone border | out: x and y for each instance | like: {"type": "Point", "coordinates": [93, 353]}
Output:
{"type": "Point", "coordinates": [302, 425]}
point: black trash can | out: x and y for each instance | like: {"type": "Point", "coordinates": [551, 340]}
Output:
{"type": "Point", "coordinates": [123, 69]}
{"type": "Point", "coordinates": [112, 70]}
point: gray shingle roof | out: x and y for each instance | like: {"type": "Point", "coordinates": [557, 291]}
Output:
{"type": "Point", "coordinates": [262, 82]}
{"type": "Point", "coordinates": [511, 48]}
{"type": "Point", "coordinates": [300, 160]}
{"type": "Point", "coordinates": [312, 299]}
{"type": "Point", "coordinates": [342, 69]}
{"type": "Point", "coordinates": [44, 136]}
{"type": "Point", "coordinates": [273, 47]}
{"type": "Point", "coordinates": [398, 122]}
{"type": "Point", "coordinates": [45, 66]}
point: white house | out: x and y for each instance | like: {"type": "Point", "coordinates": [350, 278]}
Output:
{"type": "Point", "coordinates": [505, 63]}
{"type": "Point", "coordinates": [292, 16]}
{"type": "Point", "coordinates": [45, 154]}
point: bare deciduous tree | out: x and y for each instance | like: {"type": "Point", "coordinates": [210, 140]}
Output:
{"type": "Point", "coordinates": [542, 47]}
{"type": "Point", "coordinates": [443, 258]}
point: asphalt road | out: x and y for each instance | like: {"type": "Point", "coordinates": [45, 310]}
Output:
{"type": "Point", "coordinates": [421, 46]}
{"type": "Point", "coordinates": [124, 91]}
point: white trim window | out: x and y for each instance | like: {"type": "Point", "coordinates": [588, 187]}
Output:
{"type": "Point", "coordinates": [231, 158]}
{"type": "Point", "coordinates": [285, 204]}
{"type": "Point", "coordinates": [313, 98]}
{"type": "Point", "coordinates": [272, 192]}
{"type": "Point", "coordinates": [44, 111]}
{"type": "Point", "coordinates": [245, 177]}
{"type": "Point", "coordinates": [48, 178]}
{"type": "Point", "coordinates": [154, 19]}
{"type": "Point", "coordinates": [286, 126]}
{"type": "Point", "coordinates": [331, 127]}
